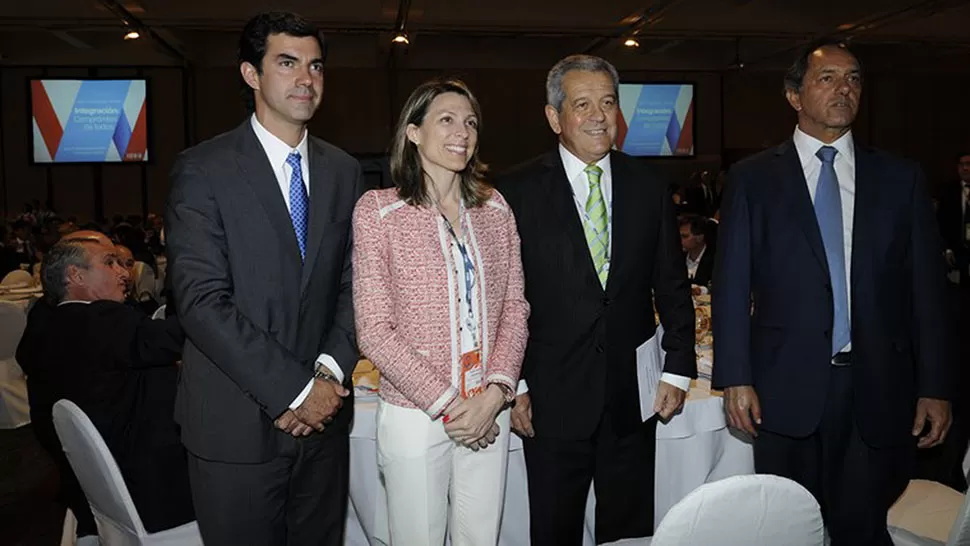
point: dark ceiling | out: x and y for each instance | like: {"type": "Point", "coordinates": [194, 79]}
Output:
{"type": "Point", "coordinates": [673, 34]}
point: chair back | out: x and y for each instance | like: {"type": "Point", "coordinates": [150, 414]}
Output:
{"type": "Point", "coordinates": [18, 277]}
{"type": "Point", "coordinates": [144, 282]}
{"type": "Point", "coordinates": [960, 532]}
{"type": "Point", "coordinates": [99, 475]}
{"type": "Point", "coordinates": [159, 313]}
{"type": "Point", "coordinates": [14, 409]}
{"type": "Point", "coordinates": [756, 510]}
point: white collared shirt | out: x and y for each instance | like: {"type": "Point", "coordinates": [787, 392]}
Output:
{"type": "Point", "coordinates": [277, 151]}
{"type": "Point", "coordinates": [807, 146]}
{"type": "Point", "coordinates": [692, 265]}
{"type": "Point", "coordinates": [579, 181]}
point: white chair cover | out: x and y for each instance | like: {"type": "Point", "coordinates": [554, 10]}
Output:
{"type": "Point", "coordinates": [144, 282]}
{"type": "Point", "coordinates": [18, 277]}
{"type": "Point", "coordinates": [759, 510]}
{"type": "Point", "coordinates": [159, 313]}
{"type": "Point", "coordinates": [114, 512]}
{"type": "Point", "coordinates": [14, 408]}
{"type": "Point", "coordinates": [69, 533]}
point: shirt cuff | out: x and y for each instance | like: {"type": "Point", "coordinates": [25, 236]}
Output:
{"type": "Point", "coordinates": [523, 387]}
{"type": "Point", "coordinates": [328, 362]}
{"type": "Point", "coordinates": [302, 396]}
{"type": "Point", "coordinates": [679, 381]}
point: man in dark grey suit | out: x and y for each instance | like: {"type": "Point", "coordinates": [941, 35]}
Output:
{"type": "Point", "coordinates": [258, 226]}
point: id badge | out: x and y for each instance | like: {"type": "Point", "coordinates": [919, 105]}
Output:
{"type": "Point", "coordinates": [471, 373]}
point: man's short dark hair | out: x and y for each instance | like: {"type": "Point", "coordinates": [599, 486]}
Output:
{"type": "Point", "coordinates": [698, 224]}
{"type": "Point", "coordinates": [795, 75]}
{"type": "Point", "coordinates": [252, 41]}
{"type": "Point", "coordinates": [53, 270]}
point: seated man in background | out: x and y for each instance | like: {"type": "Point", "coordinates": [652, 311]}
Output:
{"type": "Point", "coordinates": [32, 341]}
{"type": "Point", "coordinates": [149, 305]}
{"type": "Point", "coordinates": [118, 366]}
{"type": "Point", "coordinates": [700, 256]}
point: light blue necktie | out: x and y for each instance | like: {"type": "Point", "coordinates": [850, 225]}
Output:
{"type": "Point", "coordinates": [828, 211]}
{"type": "Point", "coordinates": [298, 201]}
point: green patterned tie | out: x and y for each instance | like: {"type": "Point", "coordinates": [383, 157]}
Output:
{"type": "Point", "coordinates": [597, 235]}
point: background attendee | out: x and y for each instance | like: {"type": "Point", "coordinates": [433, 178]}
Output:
{"type": "Point", "coordinates": [699, 255]}
{"type": "Point", "coordinates": [258, 232]}
{"type": "Point", "coordinates": [844, 366]}
{"type": "Point", "coordinates": [441, 245]}
{"type": "Point", "coordinates": [576, 208]}
{"type": "Point", "coordinates": [118, 366]}
{"type": "Point", "coordinates": [945, 463]}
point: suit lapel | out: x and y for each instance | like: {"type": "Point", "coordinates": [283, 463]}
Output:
{"type": "Point", "coordinates": [864, 222]}
{"type": "Point", "coordinates": [624, 214]}
{"type": "Point", "coordinates": [563, 202]}
{"type": "Point", "coordinates": [256, 170]}
{"type": "Point", "coordinates": [321, 206]}
{"type": "Point", "coordinates": [795, 191]}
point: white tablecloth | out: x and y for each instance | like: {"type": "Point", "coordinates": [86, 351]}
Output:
{"type": "Point", "coordinates": [693, 449]}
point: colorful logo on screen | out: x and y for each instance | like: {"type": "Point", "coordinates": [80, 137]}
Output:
{"type": "Point", "coordinates": [656, 119]}
{"type": "Point", "coordinates": [89, 121]}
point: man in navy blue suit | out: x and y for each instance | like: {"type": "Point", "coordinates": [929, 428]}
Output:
{"type": "Point", "coordinates": [831, 339]}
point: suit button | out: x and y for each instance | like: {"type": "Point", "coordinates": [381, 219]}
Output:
{"type": "Point", "coordinates": [828, 288]}
{"type": "Point", "coordinates": [828, 334]}
{"type": "Point", "coordinates": [599, 349]}
{"type": "Point", "coordinates": [606, 301]}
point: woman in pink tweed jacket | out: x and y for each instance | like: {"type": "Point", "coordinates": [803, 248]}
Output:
{"type": "Point", "coordinates": [440, 310]}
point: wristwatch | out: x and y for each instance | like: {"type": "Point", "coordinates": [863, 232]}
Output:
{"type": "Point", "coordinates": [322, 372]}
{"type": "Point", "coordinates": [507, 392]}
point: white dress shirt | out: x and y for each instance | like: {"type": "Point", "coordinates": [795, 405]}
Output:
{"type": "Point", "coordinates": [277, 151]}
{"type": "Point", "coordinates": [692, 265]}
{"type": "Point", "coordinates": [807, 146]}
{"type": "Point", "coordinates": [576, 174]}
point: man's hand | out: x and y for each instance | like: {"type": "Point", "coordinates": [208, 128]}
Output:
{"type": "Point", "coordinates": [474, 417]}
{"type": "Point", "coordinates": [743, 409]}
{"type": "Point", "coordinates": [323, 402]}
{"type": "Point", "coordinates": [937, 412]}
{"type": "Point", "coordinates": [669, 400]}
{"type": "Point", "coordinates": [522, 416]}
{"type": "Point", "coordinates": [290, 424]}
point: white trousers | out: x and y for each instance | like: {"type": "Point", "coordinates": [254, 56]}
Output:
{"type": "Point", "coordinates": [435, 485]}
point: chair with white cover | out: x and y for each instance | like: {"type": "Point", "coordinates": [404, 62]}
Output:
{"type": "Point", "coordinates": [929, 513]}
{"type": "Point", "coordinates": [18, 277]}
{"type": "Point", "coordinates": [14, 408]}
{"type": "Point", "coordinates": [159, 313]}
{"type": "Point", "coordinates": [69, 533]}
{"type": "Point", "coordinates": [114, 511]}
{"type": "Point", "coordinates": [144, 282]}
{"type": "Point", "coordinates": [752, 510]}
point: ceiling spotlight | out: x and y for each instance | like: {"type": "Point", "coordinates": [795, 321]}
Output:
{"type": "Point", "coordinates": [401, 38]}
{"type": "Point", "coordinates": [132, 35]}
{"type": "Point", "coordinates": [631, 42]}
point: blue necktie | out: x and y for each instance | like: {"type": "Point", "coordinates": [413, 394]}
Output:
{"type": "Point", "coordinates": [828, 211]}
{"type": "Point", "coordinates": [298, 201]}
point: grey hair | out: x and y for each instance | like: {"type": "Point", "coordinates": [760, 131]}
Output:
{"type": "Point", "coordinates": [587, 63]}
{"type": "Point", "coordinates": [53, 270]}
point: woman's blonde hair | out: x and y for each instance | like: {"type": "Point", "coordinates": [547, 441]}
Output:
{"type": "Point", "coordinates": [406, 169]}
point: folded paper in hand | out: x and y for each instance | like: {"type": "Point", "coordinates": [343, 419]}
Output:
{"type": "Point", "coordinates": [650, 365]}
